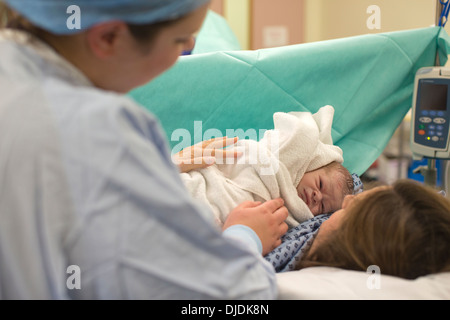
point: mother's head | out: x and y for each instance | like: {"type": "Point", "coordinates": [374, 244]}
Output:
{"type": "Point", "coordinates": [403, 229]}
{"type": "Point", "coordinates": [120, 44]}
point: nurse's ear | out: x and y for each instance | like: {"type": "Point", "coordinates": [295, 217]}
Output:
{"type": "Point", "coordinates": [106, 39]}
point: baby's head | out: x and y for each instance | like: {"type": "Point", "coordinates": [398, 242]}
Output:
{"type": "Point", "coordinates": [323, 190]}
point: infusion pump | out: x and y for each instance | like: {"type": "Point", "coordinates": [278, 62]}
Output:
{"type": "Point", "coordinates": [431, 114]}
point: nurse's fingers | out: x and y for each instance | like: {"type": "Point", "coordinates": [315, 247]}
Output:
{"type": "Point", "coordinates": [195, 164]}
{"type": "Point", "coordinates": [215, 148]}
{"type": "Point", "coordinates": [279, 215]}
{"type": "Point", "coordinates": [222, 153]}
{"type": "Point", "coordinates": [273, 205]}
{"type": "Point", "coordinates": [249, 204]}
{"type": "Point", "coordinates": [282, 213]}
{"type": "Point", "coordinates": [221, 142]}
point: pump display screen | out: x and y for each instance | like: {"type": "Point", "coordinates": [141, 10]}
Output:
{"type": "Point", "coordinates": [432, 114]}
{"type": "Point", "coordinates": [433, 96]}
{"type": "Point", "coordinates": [430, 134]}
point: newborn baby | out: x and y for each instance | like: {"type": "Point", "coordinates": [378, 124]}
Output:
{"type": "Point", "coordinates": [296, 161]}
{"type": "Point", "coordinates": [324, 189]}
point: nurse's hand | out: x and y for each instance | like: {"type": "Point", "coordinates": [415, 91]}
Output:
{"type": "Point", "coordinates": [267, 220]}
{"type": "Point", "coordinates": [205, 154]}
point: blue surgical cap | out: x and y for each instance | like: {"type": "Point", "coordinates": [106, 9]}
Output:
{"type": "Point", "coordinates": [71, 16]}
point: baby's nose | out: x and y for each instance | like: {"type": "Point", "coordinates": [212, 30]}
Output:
{"type": "Point", "coordinates": [317, 196]}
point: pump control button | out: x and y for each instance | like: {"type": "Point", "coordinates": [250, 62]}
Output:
{"type": "Point", "coordinates": [425, 119]}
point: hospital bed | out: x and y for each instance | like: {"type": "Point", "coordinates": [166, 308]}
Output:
{"type": "Point", "coordinates": [368, 79]}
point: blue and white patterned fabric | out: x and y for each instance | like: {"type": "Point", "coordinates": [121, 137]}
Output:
{"type": "Point", "coordinates": [357, 184]}
{"type": "Point", "coordinates": [298, 239]}
{"type": "Point", "coordinates": [295, 243]}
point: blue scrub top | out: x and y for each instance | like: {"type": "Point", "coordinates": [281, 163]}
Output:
{"type": "Point", "coordinates": [92, 206]}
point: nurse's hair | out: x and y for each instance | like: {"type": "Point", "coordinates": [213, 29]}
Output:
{"type": "Point", "coordinates": [12, 20]}
{"type": "Point", "coordinates": [404, 230]}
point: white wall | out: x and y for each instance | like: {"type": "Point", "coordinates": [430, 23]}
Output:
{"type": "Point", "coordinates": [330, 19]}
{"type": "Point", "coordinates": [237, 13]}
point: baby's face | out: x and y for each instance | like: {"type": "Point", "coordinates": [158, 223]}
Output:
{"type": "Point", "coordinates": [321, 191]}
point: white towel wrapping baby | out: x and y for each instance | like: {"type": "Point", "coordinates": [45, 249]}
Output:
{"type": "Point", "coordinates": [271, 168]}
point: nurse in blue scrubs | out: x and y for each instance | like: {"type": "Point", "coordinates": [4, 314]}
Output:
{"type": "Point", "coordinates": [91, 205]}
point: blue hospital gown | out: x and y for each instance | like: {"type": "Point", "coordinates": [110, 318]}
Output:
{"type": "Point", "coordinates": [88, 190]}
{"type": "Point", "coordinates": [295, 243]}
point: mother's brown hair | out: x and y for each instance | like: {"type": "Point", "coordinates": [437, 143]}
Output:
{"type": "Point", "coordinates": [404, 230]}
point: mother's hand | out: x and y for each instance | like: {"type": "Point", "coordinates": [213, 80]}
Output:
{"type": "Point", "coordinates": [205, 154]}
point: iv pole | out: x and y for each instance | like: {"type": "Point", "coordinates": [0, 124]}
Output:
{"type": "Point", "coordinates": [429, 172]}
{"type": "Point", "coordinates": [439, 9]}
{"type": "Point", "coordinates": [446, 176]}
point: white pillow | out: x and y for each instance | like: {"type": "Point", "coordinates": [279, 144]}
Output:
{"type": "Point", "coordinates": [325, 283]}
